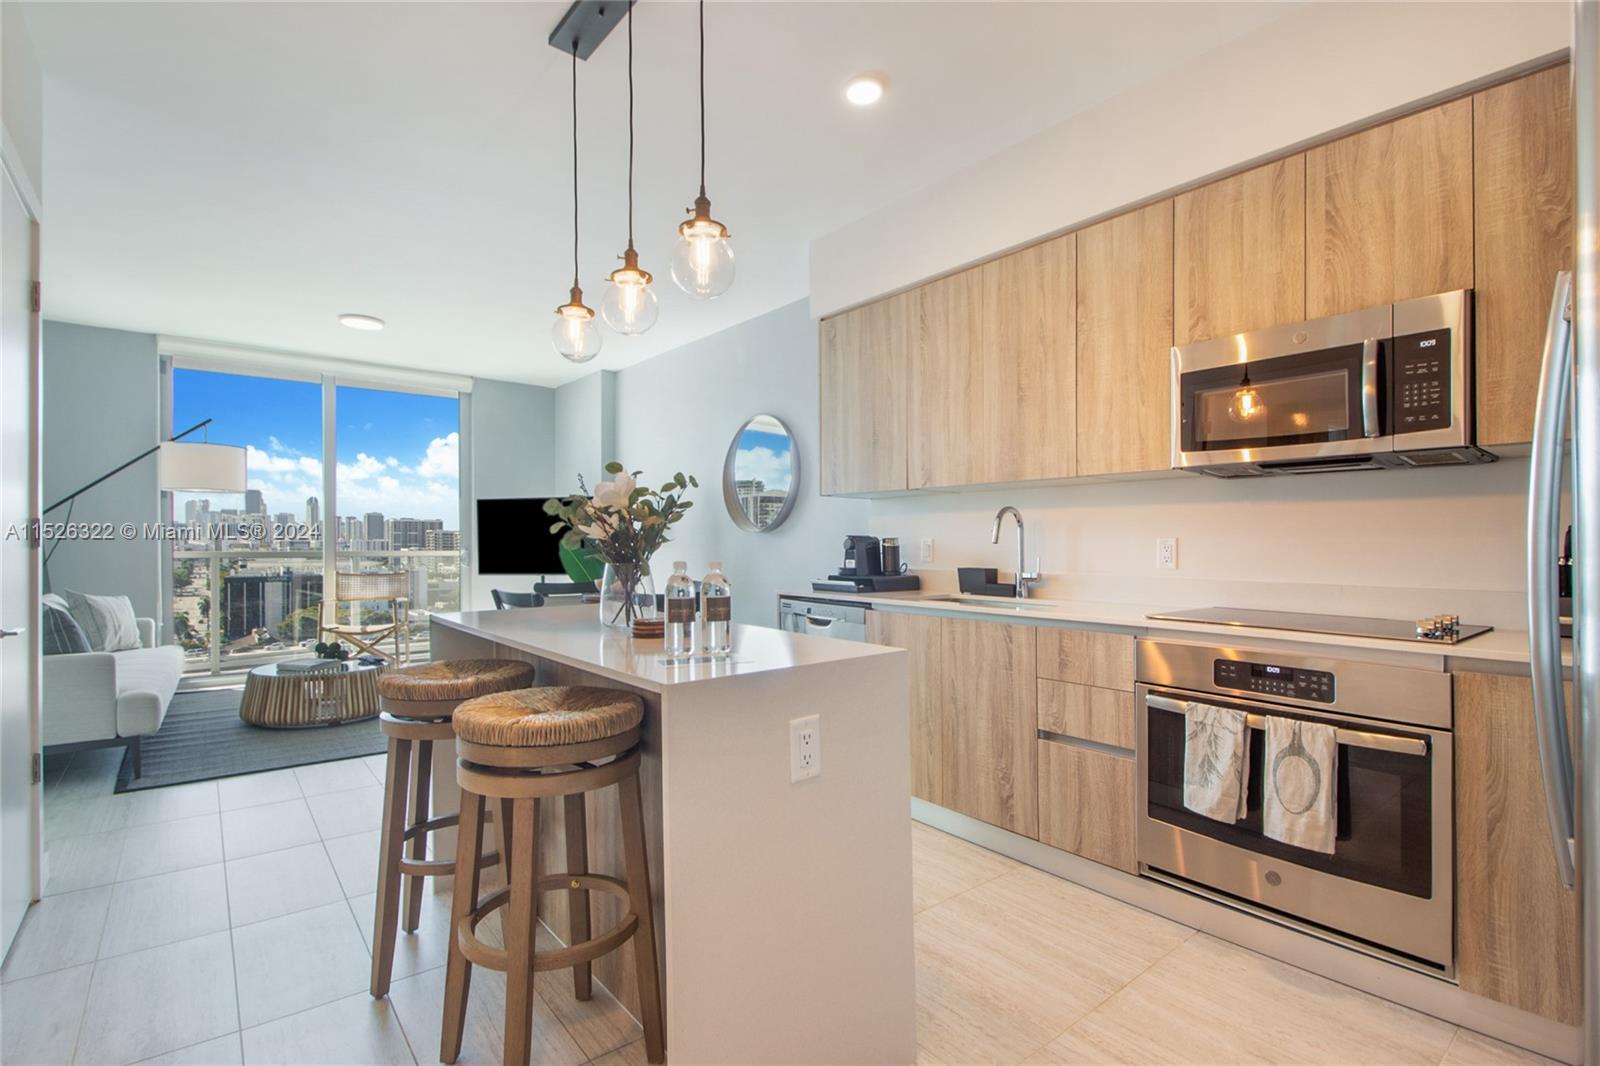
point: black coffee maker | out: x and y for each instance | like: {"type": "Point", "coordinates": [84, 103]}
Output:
{"type": "Point", "coordinates": [863, 556]}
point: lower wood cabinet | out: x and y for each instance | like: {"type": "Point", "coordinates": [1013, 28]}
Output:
{"type": "Point", "coordinates": [973, 715]}
{"type": "Point", "coordinates": [1086, 800]}
{"type": "Point", "coordinates": [1518, 931]}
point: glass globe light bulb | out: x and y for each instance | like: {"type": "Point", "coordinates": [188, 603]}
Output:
{"type": "Point", "coordinates": [576, 334]}
{"type": "Point", "coordinates": [702, 262]}
{"type": "Point", "coordinates": [630, 305]}
{"type": "Point", "coordinates": [1246, 405]}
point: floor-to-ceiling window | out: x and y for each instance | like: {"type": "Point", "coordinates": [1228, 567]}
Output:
{"type": "Point", "coordinates": [250, 572]}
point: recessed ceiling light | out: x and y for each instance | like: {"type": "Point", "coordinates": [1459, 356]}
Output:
{"type": "Point", "coordinates": [865, 90]}
{"type": "Point", "coordinates": [361, 322]}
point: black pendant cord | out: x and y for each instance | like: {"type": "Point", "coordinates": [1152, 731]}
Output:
{"type": "Point", "coordinates": [574, 164]}
{"type": "Point", "coordinates": [630, 123]}
{"type": "Point", "coordinates": [702, 97]}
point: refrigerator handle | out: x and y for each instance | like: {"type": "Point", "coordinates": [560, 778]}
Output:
{"type": "Point", "coordinates": [1544, 624]}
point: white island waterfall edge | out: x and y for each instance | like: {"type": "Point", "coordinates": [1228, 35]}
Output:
{"type": "Point", "coordinates": [785, 909]}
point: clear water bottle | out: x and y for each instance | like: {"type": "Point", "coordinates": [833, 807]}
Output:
{"type": "Point", "coordinates": [716, 612]}
{"type": "Point", "coordinates": [680, 612]}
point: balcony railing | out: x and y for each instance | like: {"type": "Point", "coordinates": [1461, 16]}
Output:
{"type": "Point", "coordinates": [235, 609]}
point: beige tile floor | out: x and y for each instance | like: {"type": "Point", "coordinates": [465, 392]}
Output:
{"type": "Point", "coordinates": [229, 922]}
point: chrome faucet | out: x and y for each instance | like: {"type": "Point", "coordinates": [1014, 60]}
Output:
{"type": "Point", "coordinates": [1024, 578]}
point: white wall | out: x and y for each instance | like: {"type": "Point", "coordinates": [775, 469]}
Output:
{"type": "Point", "coordinates": [21, 97]}
{"type": "Point", "coordinates": [585, 429]}
{"type": "Point", "coordinates": [512, 441]}
{"type": "Point", "coordinates": [1392, 543]}
{"type": "Point", "coordinates": [1314, 71]}
{"type": "Point", "coordinates": [681, 410]}
{"type": "Point", "coordinates": [102, 406]}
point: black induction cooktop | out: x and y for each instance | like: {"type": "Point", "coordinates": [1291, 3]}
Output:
{"type": "Point", "coordinates": [1423, 630]}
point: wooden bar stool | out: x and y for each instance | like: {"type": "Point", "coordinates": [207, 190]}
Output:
{"type": "Point", "coordinates": [518, 748]}
{"type": "Point", "coordinates": [416, 703]}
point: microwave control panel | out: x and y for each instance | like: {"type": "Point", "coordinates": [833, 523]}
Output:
{"type": "Point", "coordinates": [1420, 390]}
{"type": "Point", "coordinates": [1272, 680]}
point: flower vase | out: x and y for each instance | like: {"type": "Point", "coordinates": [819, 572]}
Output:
{"type": "Point", "coordinates": [626, 595]}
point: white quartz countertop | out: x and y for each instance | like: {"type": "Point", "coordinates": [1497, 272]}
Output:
{"type": "Point", "coordinates": [574, 636]}
{"type": "Point", "coordinates": [1498, 645]}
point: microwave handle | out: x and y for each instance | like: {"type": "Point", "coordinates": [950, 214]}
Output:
{"type": "Point", "coordinates": [1369, 387]}
{"type": "Point", "coordinates": [1544, 513]}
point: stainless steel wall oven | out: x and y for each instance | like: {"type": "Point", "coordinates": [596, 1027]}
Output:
{"type": "Point", "coordinates": [1388, 887]}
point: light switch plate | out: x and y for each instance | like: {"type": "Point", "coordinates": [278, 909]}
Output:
{"type": "Point", "coordinates": [925, 552]}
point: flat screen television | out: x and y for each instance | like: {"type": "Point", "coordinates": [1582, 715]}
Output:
{"type": "Point", "coordinates": [514, 537]}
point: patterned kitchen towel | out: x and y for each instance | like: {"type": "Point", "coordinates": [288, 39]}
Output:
{"type": "Point", "coordinates": [1216, 762]}
{"type": "Point", "coordinates": [1299, 802]}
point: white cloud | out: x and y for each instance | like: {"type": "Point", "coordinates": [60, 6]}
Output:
{"type": "Point", "coordinates": [443, 459]}
{"type": "Point", "coordinates": [425, 490]}
{"type": "Point", "coordinates": [764, 465]}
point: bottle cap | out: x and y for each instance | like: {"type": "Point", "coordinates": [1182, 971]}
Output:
{"type": "Point", "coordinates": [680, 565]}
{"type": "Point", "coordinates": [716, 565]}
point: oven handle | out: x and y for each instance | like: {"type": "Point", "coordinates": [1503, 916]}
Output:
{"type": "Point", "coordinates": [1349, 737]}
{"type": "Point", "coordinates": [1369, 387]}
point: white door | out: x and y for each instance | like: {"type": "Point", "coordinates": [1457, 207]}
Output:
{"type": "Point", "coordinates": [19, 564]}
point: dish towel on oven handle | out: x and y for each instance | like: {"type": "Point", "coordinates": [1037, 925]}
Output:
{"type": "Point", "coordinates": [1299, 804]}
{"type": "Point", "coordinates": [1216, 762]}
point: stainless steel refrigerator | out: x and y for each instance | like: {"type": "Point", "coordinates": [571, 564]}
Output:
{"type": "Point", "coordinates": [1569, 393]}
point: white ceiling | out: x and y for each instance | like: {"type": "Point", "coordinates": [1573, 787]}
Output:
{"type": "Point", "coordinates": [244, 172]}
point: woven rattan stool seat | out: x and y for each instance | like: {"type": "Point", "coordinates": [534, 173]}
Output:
{"type": "Point", "coordinates": [548, 716]}
{"type": "Point", "coordinates": [454, 679]}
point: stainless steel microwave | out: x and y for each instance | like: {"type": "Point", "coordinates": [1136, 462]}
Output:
{"type": "Point", "coordinates": [1384, 387]}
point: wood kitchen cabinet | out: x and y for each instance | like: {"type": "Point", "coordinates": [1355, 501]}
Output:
{"type": "Point", "coordinates": [1522, 203]}
{"type": "Point", "coordinates": [993, 394]}
{"type": "Point", "coordinates": [863, 362]}
{"type": "Point", "coordinates": [1125, 343]}
{"type": "Point", "coordinates": [1086, 657]}
{"type": "Point", "coordinates": [1518, 930]}
{"type": "Point", "coordinates": [1086, 803]}
{"type": "Point", "coordinates": [1389, 212]}
{"type": "Point", "coordinates": [973, 717]}
{"type": "Point", "coordinates": [1240, 252]}
{"type": "Point", "coordinates": [1101, 715]}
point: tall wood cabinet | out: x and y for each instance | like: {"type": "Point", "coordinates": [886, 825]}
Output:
{"type": "Point", "coordinates": [1389, 212]}
{"type": "Point", "coordinates": [972, 715]}
{"type": "Point", "coordinates": [1125, 343]}
{"type": "Point", "coordinates": [1522, 201]}
{"type": "Point", "coordinates": [1518, 931]}
{"type": "Point", "coordinates": [993, 372]}
{"type": "Point", "coordinates": [1240, 252]}
{"type": "Point", "coordinates": [863, 361]}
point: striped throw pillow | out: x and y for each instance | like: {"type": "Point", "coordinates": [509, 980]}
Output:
{"type": "Point", "coordinates": [62, 634]}
{"type": "Point", "coordinates": [107, 621]}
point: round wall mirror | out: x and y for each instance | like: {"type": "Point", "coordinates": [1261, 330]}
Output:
{"type": "Point", "coordinates": [761, 477]}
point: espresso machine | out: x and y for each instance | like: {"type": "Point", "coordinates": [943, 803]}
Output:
{"type": "Point", "coordinates": [863, 569]}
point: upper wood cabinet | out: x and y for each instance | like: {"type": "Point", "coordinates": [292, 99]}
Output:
{"type": "Point", "coordinates": [1240, 248]}
{"type": "Point", "coordinates": [1389, 212]}
{"type": "Point", "coordinates": [1522, 188]}
{"type": "Point", "coordinates": [973, 715]}
{"type": "Point", "coordinates": [1518, 931]}
{"type": "Point", "coordinates": [863, 361]}
{"type": "Point", "coordinates": [1125, 343]}
{"type": "Point", "coordinates": [993, 372]}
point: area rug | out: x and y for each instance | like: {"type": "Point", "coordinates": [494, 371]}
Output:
{"type": "Point", "coordinates": [203, 738]}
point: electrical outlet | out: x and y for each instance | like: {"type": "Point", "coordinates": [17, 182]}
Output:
{"type": "Point", "coordinates": [926, 553]}
{"type": "Point", "coordinates": [1167, 553]}
{"type": "Point", "coordinates": [805, 748]}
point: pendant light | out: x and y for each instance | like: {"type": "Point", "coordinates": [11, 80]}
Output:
{"type": "Point", "coordinates": [576, 334]}
{"type": "Point", "coordinates": [630, 305]}
{"type": "Point", "coordinates": [702, 262]}
{"type": "Point", "coordinates": [1246, 405]}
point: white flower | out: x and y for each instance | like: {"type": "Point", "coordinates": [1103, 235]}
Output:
{"type": "Point", "coordinates": [613, 495]}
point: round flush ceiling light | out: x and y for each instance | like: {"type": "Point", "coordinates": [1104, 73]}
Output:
{"type": "Point", "coordinates": [366, 322]}
{"type": "Point", "coordinates": [865, 90]}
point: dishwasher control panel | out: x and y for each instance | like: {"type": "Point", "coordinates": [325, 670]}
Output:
{"type": "Point", "coordinates": [1270, 679]}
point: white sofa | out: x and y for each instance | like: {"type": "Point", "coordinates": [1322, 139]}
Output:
{"type": "Point", "coordinates": [101, 698]}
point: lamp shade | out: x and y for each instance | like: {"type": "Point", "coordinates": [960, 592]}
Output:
{"type": "Point", "coordinates": [189, 467]}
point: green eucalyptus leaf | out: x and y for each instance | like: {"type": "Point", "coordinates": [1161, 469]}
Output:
{"type": "Point", "coordinates": [613, 468]}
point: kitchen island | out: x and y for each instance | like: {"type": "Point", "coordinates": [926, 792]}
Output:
{"type": "Point", "coordinates": [784, 908]}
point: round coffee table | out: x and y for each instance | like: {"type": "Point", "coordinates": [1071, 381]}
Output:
{"type": "Point", "coordinates": [291, 699]}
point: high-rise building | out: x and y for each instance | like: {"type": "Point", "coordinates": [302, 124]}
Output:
{"type": "Point", "coordinates": [254, 503]}
{"type": "Point", "coordinates": [374, 528]}
{"type": "Point", "coordinates": [313, 511]}
{"type": "Point", "coordinates": [412, 533]}
{"type": "Point", "coordinates": [446, 540]}
{"type": "Point", "coordinates": [192, 510]}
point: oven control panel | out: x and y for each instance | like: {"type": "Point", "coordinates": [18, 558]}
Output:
{"type": "Point", "coordinates": [1420, 392]}
{"type": "Point", "coordinates": [1271, 680]}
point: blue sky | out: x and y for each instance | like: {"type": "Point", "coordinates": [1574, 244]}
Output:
{"type": "Point", "coordinates": [764, 454]}
{"type": "Point", "coordinates": [397, 450]}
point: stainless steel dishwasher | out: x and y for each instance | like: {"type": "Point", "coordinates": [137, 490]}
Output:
{"type": "Point", "coordinates": [823, 618]}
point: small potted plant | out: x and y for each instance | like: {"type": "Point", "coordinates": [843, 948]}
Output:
{"type": "Point", "coordinates": [624, 524]}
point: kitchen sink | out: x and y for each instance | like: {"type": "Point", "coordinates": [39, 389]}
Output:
{"type": "Point", "coordinates": [1000, 603]}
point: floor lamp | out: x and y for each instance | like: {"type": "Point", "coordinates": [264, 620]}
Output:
{"type": "Point", "coordinates": [183, 467]}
